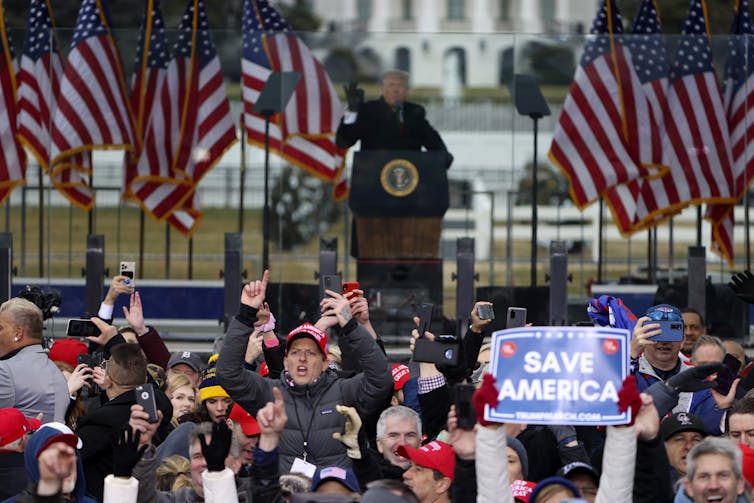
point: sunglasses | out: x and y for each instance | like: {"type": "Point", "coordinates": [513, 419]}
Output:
{"type": "Point", "coordinates": [664, 315]}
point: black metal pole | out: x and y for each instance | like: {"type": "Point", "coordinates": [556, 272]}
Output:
{"type": "Point", "coordinates": [191, 258]}
{"type": "Point", "coordinates": [167, 251]}
{"type": "Point", "coordinates": [600, 230]}
{"type": "Point", "coordinates": [141, 243]}
{"type": "Point", "coordinates": [242, 176]}
{"type": "Point", "coordinates": [747, 234]}
{"type": "Point", "coordinates": [699, 225]}
{"type": "Point", "coordinates": [650, 275]}
{"type": "Point", "coordinates": [266, 211]}
{"type": "Point", "coordinates": [534, 183]}
{"type": "Point", "coordinates": [41, 222]}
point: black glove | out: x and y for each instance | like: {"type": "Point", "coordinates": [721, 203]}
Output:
{"type": "Point", "coordinates": [743, 284]}
{"type": "Point", "coordinates": [695, 378]}
{"type": "Point", "coordinates": [217, 450]}
{"type": "Point", "coordinates": [126, 452]}
{"type": "Point", "coordinates": [564, 434]}
{"type": "Point", "coordinates": [354, 96]}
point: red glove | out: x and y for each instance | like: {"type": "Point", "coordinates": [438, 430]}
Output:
{"type": "Point", "coordinates": [628, 396]}
{"type": "Point", "coordinates": [485, 395]}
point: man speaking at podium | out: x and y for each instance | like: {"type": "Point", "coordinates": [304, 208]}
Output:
{"type": "Point", "coordinates": [389, 122]}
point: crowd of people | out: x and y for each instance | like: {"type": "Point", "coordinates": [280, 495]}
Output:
{"type": "Point", "coordinates": [321, 414]}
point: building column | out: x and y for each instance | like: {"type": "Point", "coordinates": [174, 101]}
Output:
{"type": "Point", "coordinates": [380, 15]}
{"type": "Point", "coordinates": [481, 20]}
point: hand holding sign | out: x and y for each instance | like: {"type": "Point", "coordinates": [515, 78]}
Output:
{"type": "Point", "coordinates": [559, 375]}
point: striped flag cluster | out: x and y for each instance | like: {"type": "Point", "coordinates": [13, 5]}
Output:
{"type": "Point", "coordinates": [12, 158]}
{"type": "Point", "coordinates": [738, 99]}
{"type": "Point", "coordinates": [189, 127]}
{"type": "Point", "coordinates": [689, 159]}
{"type": "Point", "coordinates": [304, 133]}
{"type": "Point", "coordinates": [38, 79]}
{"type": "Point", "coordinates": [92, 110]}
{"type": "Point", "coordinates": [174, 125]}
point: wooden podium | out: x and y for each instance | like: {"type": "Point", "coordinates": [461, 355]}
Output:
{"type": "Point", "coordinates": [398, 199]}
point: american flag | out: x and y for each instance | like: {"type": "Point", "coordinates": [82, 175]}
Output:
{"type": "Point", "coordinates": [92, 109]}
{"type": "Point", "coordinates": [649, 57]}
{"type": "Point", "coordinates": [739, 108]}
{"type": "Point", "coordinates": [13, 158]}
{"type": "Point", "coordinates": [190, 131]}
{"type": "Point", "coordinates": [304, 134]}
{"type": "Point", "coordinates": [603, 125]}
{"type": "Point", "coordinates": [38, 80]}
{"type": "Point", "coordinates": [697, 147]}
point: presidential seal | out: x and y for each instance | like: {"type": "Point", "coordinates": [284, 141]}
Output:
{"type": "Point", "coordinates": [399, 178]}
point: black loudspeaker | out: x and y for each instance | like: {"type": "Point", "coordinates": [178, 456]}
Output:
{"type": "Point", "coordinates": [534, 299]}
{"type": "Point", "coordinates": [725, 313]}
{"type": "Point", "coordinates": [293, 304]}
{"type": "Point", "coordinates": [95, 273]}
{"type": "Point", "coordinates": [395, 289]}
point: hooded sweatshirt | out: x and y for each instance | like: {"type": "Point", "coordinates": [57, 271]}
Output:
{"type": "Point", "coordinates": [33, 449]}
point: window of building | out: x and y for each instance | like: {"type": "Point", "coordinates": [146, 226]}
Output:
{"type": "Point", "coordinates": [548, 10]}
{"type": "Point", "coordinates": [505, 10]}
{"type": "Point", "coordinates": [403, 59]}
{"type": "Point", "coordinates": [364, 10]}
{"type": "Point", "coordinates": [456, 9]}
{"type": "Point", "coordinates": [407, 10]}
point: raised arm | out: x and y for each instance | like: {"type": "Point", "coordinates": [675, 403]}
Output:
{"type": "Point", "coordinates": [248, 389]}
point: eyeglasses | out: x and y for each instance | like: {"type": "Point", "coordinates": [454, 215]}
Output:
{"type": "Point", "coordinates": [658, 315]}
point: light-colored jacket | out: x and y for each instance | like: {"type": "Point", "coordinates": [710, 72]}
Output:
{"type": "Point", "coordinates": [618, 464]}
{"type": "Point", "coordinates": [32, 383]}
{"type": "Point", "coordinates": [219, 487]}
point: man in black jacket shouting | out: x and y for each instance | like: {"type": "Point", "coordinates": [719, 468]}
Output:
{"type": "Point", "coordinates": [309, 388]}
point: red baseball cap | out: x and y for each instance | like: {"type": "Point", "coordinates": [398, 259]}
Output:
{"type": "Point", "coordinates": [310, 331]}
{"type": "Point", "coordinates": [66, 350]}
{"type": "Point", "coordinates": [248, 424]}
{"type": "Point", "coordinates": [436, 455]}
{"type": "Point", "coordinates": [14, 425]}
{"type": "Point", "coordinates": [521, 489]}
{"type": "Point", "coordinates": [401, 374]}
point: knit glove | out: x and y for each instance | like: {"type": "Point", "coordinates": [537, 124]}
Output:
{"type": "Point", "coordinates": [695, 378]}
{"type": "Point", "coordinates": [126, 452]}
{"type": "Point", "coordinates": [665, 394]}
{"type": "Point", "coordinates": [350, 435]}
{"type": "Point", "coordinates": [628, 396]}
{"type": "Point", "coordinates": [217, 450]}
{"type": "Point", "coordinates": [486, 394]}
{"type": "Point", "coordinates": [354, 96]}
{"type": "Point", "coordinates": [743, 284]}
{"type": "Point", "coordinates": [564, 434]}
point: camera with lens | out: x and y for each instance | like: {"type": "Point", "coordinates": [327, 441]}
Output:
{"type": "Point", "coordinates": [47, 300]}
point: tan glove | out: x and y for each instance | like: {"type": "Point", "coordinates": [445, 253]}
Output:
{"type": "Point", "coordinates": [350, 435]}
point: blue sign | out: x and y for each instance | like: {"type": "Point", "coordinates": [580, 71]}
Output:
{"type": "Point", "coordinates": [559, 375]}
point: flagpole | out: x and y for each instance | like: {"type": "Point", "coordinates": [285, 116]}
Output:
{"type": "Point", "coordinates": [41, 222]}
{"type": "Point", "coordinates": [167, 250]}
{"type": "Point", "coordinates": [600, 230]}
{"type": "Point", "coordinates": [141, 242]}
{"type": "Point", "coordinates": [242, 175]}
{"type": "Point", "coordinates": [266, 211]}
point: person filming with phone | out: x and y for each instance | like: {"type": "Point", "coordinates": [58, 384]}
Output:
{"type": "Point", "coordinates": [655, 345]}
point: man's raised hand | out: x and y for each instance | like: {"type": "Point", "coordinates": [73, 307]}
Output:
{"type": "Point", "coordinates": [254, 292]}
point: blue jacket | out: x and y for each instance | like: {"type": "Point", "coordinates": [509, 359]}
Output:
{"type": "Point", "coordinates": [699, 403]}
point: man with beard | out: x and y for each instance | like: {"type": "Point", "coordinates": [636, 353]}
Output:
{"type": "Point", "coordinates": [659, 360]}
